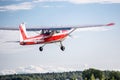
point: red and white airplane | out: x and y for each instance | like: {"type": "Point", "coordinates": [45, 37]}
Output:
{"type": "Point", "coordinates": [48, 34]}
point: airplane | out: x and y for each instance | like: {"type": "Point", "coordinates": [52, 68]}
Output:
{"type": "Point", "coordinates": [48, 34]}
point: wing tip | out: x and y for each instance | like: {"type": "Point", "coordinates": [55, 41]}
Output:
{"type": "Point", "coordinates": [110, 24]}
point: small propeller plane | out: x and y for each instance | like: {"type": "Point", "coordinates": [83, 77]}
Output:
{"type": "Point", "coordinates": [48, 34]}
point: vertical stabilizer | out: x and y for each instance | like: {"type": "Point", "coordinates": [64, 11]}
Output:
{"type": "Point", "coordinates": [23, 34]}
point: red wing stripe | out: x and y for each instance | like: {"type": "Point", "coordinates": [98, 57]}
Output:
{"type": "Point", "coordinates": [110, 24]}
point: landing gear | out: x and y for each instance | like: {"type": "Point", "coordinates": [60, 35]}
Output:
{"type": "Point", "coordinates": [41, 48]}
{"type": "Point", "coordinates": [62, 47]}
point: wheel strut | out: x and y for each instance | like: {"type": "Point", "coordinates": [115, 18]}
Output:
{"type": "Point", "coordinates": [62, 47]}
{"type": "Point", "coordinates": [41, 47]}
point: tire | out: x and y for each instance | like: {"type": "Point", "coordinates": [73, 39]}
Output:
{"type": "Point", "coordinates": [41, 48]}
{"type": "Point", "coordinates": [62, 48]}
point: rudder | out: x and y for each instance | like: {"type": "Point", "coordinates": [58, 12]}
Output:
{"type": "Point", "coordinates": [23, 34]}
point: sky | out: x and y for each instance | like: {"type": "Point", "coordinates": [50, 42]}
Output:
{"type": "Point", "coordinates": [88, 48]}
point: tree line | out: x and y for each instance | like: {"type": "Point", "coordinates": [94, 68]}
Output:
{"type": "Point", "coordinates": [88, 74]}
{"type": "Point", "coordinates": [93, 74]}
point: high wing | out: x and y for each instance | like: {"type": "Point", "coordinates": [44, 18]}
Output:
{"type": "Point", "coordinates": [58, 27]}
{"type": "Point", "coordinates": [68, 27]}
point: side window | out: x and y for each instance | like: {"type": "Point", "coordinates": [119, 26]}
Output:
{"type": "Point", "coordinates": [57, 31]}
{"type": "Point", "coordinates": [47, 32]}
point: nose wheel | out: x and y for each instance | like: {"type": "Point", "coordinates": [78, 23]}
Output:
{"type": "Point", "coordinates": [41, 48]}
{"type": "Point", "coordinates": [62, 48]}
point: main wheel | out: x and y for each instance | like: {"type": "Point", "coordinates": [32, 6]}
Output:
{"type": "Point", "coordinates": [41, 48]}
{"type": "Point", "coordinates": [62, 48]}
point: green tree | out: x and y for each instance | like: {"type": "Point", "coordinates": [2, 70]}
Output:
{"type": "Point", "coordinates": [92, 77]}
{"type": "Point", "coordinates": [113, 78]}
{"type": "Point", "coordinates": [85, 78]}
{"type": "Point", "coordinates": [103, 77]}
{"type": "Point", "coordinates": [87, 73]}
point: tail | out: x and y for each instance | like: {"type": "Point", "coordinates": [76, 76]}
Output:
{"type": "Point", "coordinates": [23, 34]}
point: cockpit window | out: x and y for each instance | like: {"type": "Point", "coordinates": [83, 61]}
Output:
{"type": "Point", "coordinates": [57, 31]}
{"type": "Point", "coordinates": [47, 32]}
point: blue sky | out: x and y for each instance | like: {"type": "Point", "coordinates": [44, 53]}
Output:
{"type": "Point", "coordinates": [97, 47]}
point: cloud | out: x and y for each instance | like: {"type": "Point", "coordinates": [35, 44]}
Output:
{"type": "Point", "coordinates": [30, 69]}
{"type": "Point", "coordinates": [11, 0]}
{"type": "Point", "coordinates": [32, 4]}
{"type": "Point", "coordinates": [95, 29]}
{"type": "Point", "coordinates": [36, 69]}
{"type": "Point", "coordinates": [83, 1]}
{"type": "Point", "coordinates": [27, 6]}
{"type": "Point", "coordinates": [45, 69]}
{"type": "Point", "coordinates": [14, 7]}
{"type": "Point", "coordinates": [80, 1]}
{"type": "Point", "coordinates": [4, 72]}
{"type": "Point", "coordinates": [93, 1]}
{"type": "Point", "coordinates": [37, 1]}
{"type": "Point", "coordinates": [50, 6]}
